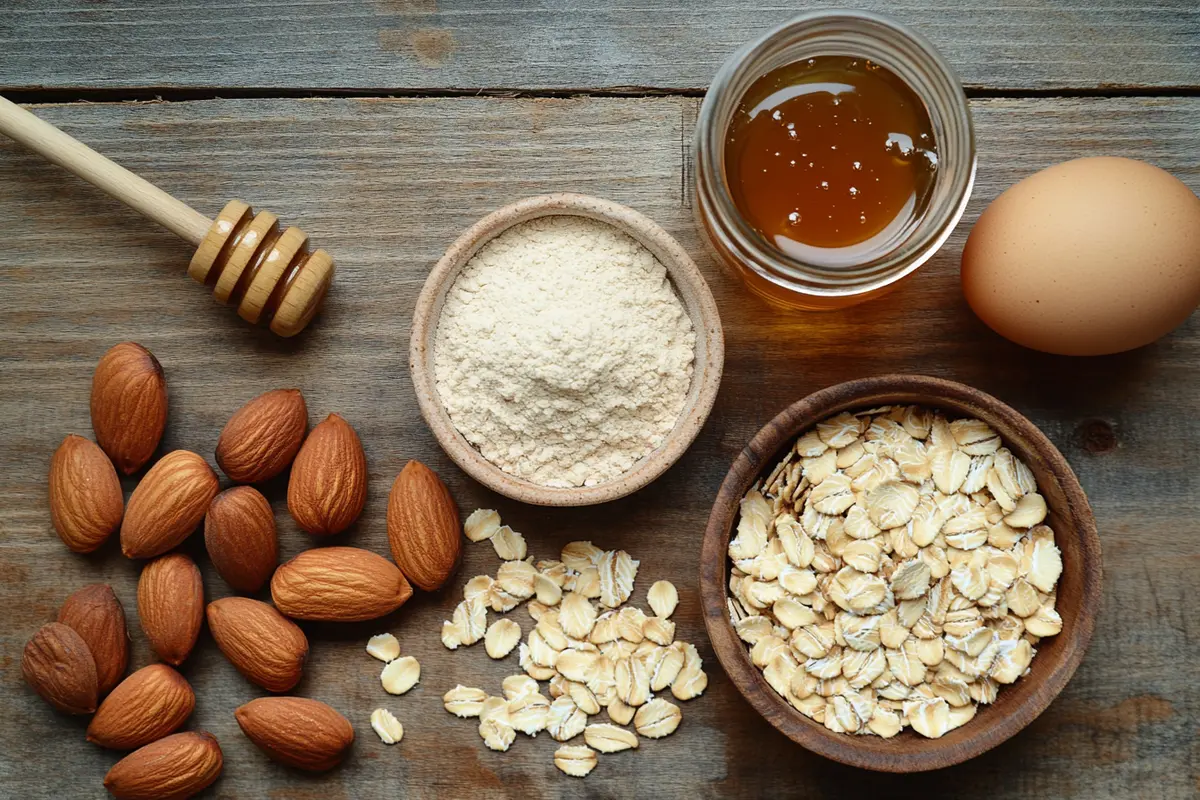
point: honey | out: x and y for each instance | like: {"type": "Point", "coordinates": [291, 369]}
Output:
{"type": "Point", "coordinates": [830, 159]}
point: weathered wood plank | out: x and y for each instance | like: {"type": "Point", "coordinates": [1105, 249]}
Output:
{"type": "Point", "coordinates": [385, 186]}
{"type": "Point", "coordinates": [541, 44]}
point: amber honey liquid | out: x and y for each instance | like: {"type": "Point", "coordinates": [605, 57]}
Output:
{"type": "Point", "coordinates": [830, 158]}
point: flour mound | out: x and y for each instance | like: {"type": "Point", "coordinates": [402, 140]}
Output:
{"type": "Point", "coordinates": [563, 353]}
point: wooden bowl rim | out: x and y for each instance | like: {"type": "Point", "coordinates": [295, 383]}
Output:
{"type": "Point", "coordinates": [762, 453]}
{"type": "Point", "coordinates": [691, 287]}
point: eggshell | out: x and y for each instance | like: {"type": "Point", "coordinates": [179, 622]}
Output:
{"type": "Point", "coordinates": [1091, 256]}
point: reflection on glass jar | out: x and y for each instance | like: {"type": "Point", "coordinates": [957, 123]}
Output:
{"type": "Point", "coordinates": [833, 157]}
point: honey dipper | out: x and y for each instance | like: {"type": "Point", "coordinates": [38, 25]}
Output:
{"type": "Point", "coordinates": [268, 275]}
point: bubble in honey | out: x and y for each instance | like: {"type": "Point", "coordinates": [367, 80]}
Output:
{"type": "Point", "coordinates": [829, 153]}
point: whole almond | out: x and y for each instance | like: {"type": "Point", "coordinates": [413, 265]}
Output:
{"type": "Point", "coordinates": [86, 503]}
{"type": "Point", "coordinates": [129, 405]}
{"type": "Point", "coordinates": [423, 527]}
{"type": "Point", "coordinates": [95, 613]}
{"type": "Point", "coordinates": [339, 584]}
{"type": "Point", "coordinates": [179, 766]}
{"type": "Point", "coordinates": [59, 667]}
{"type": "Point", "coordinates": [171, 606]}
{"type": "Point", "coordinates": [302, 733]}
{"type": "Point", "coordinates": [265, 646]}
{"type": "Point", "coordinates": [263, 436]}
{"type": "Point", "coordinates": [149, 704]}
{"type": "Point", "coordinates": [328, 485]}
{"type": "Point", "coordinates": [239, 532]}
{"type": "Point", "coordinates": [168, 504]}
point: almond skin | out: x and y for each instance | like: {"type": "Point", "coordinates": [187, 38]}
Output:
{"type": "Point", "coordinates": [129, 405]}
{"type": "Point", "coordinates": [328, 485]}
{"type": "Point", "coordinates": [263, 436]}
{"type": "Point", "coordinates": [171, 606]}
{"type": "Point", "coordinates": [179, 766]}
{"type": "Point", "coordinates": [265, 646]}
{"type": "Point", "coordinates": [339, 584]}
{"type": "Point", "coordinates": [423, 527]}
{"type": "Point", "coordinates": [95, 613]}
{"type": "Point", "coordinates": [239, 532]}
{"type": "Point", "coordinates": [86, 503]}
{"type": "Point", "coordinates": [296, 731]}
{"type": "Point", "coordinates": [149, 704]}
{"type": "Point", "coordinates": [59, 667]}
{"type": "Point", "coordinates": [168, 504]}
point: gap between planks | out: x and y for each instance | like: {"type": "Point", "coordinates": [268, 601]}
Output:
{"type": "Point", "coordinates": [32, 95]}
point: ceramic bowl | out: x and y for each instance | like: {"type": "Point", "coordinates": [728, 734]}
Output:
{"type": "Point", "coordinates": [692, 291]}
{"type": "Point", "coordinates": [1057, 657]}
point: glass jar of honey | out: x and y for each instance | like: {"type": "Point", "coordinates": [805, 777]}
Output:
{"type": "Point", "coordinates": [833, 157]}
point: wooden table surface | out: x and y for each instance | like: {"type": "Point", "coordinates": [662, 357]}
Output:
{"type": "Point", "coordinates": [384, 127]}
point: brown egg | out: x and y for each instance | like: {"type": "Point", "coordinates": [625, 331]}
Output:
{"type": "Point", "coordinates": [1091, 256]}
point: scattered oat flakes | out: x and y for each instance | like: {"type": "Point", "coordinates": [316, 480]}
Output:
{"type": "Point", "coordinates": [452, 635]}
{"type": "Point", "coordinates": [496, 733]}
{"type": "Point", "coordinates": [463, 701]}
{"type": "Point", "coordinates": [387, 726]}
{"type": "Point", "coordinates": [384, 646]}
{"type": "Point", "coordinates": [657, 719]}
{"type": "Point", "coordinates": [529, 713]}
{"type": "Point", "coordinates": [581, 555]}
{"type": "Point", "coordinates": [608, 738]}
{"type": "Point", "coordinates": [515, 686]}
{"type": "Point", "coordinates": [612, 658]}
{"type": "Point", "coordinates": [575, 760]}
{"type": "Point", "coordinates": [481, 524]}
{"type": "Point", "coordinates": [400, 675]}
{"type": "Point", "coordinates": [663, 598]}
{"type": "Point", "coordinates": [501, 637]}
{"type": "Point", "coordinates": [509, 544]}
{"type": "Point", "coordinates": [470, 622]}
{"type": "Point", "coordinates": [577, 615]}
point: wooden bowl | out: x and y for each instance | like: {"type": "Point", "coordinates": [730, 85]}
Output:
{"type": "Point", "coordinates": [1057, 657]}
{"type": "Point", "coordinates": [689, 285]}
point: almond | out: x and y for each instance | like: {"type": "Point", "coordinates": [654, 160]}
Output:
{"type": "Point", "coordinates": [171, 606]}
{"type": "Point", "coordinates": [179, 766]}
{"type": "Point", "coordinates": [145, 707]}
{"type": "Point", "coordinates": [302, 733]}
{"type": "Point", "coordinates": [263, 436]}
{"type": "Point", "coordinates": [339, 584]}
{"type": "Point", "coordinates": [129, 405]}
{"type": "Point", "coordinates": [168, 504]}
{"type": "Point", "coordinates": [86, 503]}
{"type": "Point", "coordinates": [423, 527]}
{"type": "Point", "coordinates": [59, 667]}
{"type": "Point", "coordinates": [328, 485]}
{"type": "Point", "coordinates": [265, 646]}
{"type": "Point", "coordinates": [239, 532]}
{"type": "Point", "coordinates": [95, 613]}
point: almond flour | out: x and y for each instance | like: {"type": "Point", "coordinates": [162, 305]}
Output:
{"type": "Point", "coordinates": [563, 353]}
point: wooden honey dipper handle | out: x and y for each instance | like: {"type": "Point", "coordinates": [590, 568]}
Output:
{"type": "Point", "coordinates": [268, 274]}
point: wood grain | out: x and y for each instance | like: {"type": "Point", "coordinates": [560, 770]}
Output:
{"type": "Point", "coordinates": [1077, 591]}
{"type": "Point", "coordinates": [388, 185]}
{"type": "Point", "coordinates": [552, 44]}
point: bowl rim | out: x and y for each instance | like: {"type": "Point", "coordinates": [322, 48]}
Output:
{"type": "Point", "coordinates": [689, 284]}
{"type": "Point", "coordinates": [761, 454]}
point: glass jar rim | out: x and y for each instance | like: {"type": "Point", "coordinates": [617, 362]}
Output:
{"type": "Point", "coordinates": [937, 83]}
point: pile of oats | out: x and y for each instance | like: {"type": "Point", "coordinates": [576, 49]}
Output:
{"type": "Point", "coordinates": [894, 570]}
{"type": "Point", "coordinates": [398, 676]}
{"type": "Point", "coordinates": [604, 655]}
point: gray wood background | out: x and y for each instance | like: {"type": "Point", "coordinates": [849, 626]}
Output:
{"type": "Point", "coordinates": [386, 184]}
